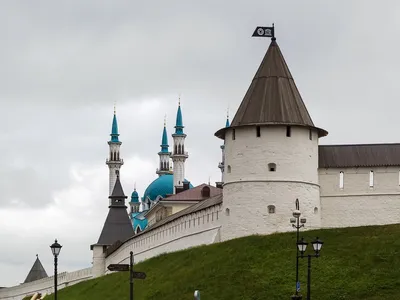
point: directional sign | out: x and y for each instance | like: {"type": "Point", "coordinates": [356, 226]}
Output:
{"type": "Point", "coordinates": [118, 267]}
{"type": "Point", "coordinates": [139, 275]}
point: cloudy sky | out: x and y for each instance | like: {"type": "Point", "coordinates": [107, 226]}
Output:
{"type": "Point", "coordinates": [63, 64]}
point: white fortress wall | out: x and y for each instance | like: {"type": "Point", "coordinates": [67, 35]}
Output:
{"type": "Point", "coordinates": [198, 228]}
{"type": "Point", "coordinates": [45, 285]}
{"type": "Point", "coordinates": [357, 203]}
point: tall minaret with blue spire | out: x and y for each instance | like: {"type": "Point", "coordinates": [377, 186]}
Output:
{"type": "Point", "coordinates": [221, 165]}
{"type": "Point", "coordinates": [179, 155]}
{"type": "Point", "coordinates": [164, 154]}
{"type": "Point", "coordinates": [114, 160]}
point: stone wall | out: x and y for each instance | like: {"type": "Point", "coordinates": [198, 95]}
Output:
{"type": "Point", "coordinates": [45, 285]}
{"type": "Point", "coordinates": [198, 228]}
{"type": "Point", "coordinates": [357, 203]}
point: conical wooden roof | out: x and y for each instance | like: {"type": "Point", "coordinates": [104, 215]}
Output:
{"type": "Point", "coordinates": [272, 98]}
{"type": "Point", "coordinates": [37, 271]}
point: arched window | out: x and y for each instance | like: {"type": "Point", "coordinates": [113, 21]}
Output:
{"type": "Point", "coordinates": [341, 180]}
{"type": "Point", "coordinates": [315, 210]}
{"type": "Point", "coordinates": [227, 212]}
{"type": "Point", "coordinates": [137, 229]}
{"type": "Point", "coordinates": [229, 169]}
{"type": "Point", "coordinates": [272, 167]}
{"type": "Point", "coordinates": [371, 178]}
{"type": "Point", "coordinates": [271, 209]}
{"type": "Point", "coordinates": [176, 149]}
{"type": "Point", "coordinates": [205, 192]}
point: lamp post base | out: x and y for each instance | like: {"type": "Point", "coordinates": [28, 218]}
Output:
{"type": "Point", "coordinates": [296, 297]}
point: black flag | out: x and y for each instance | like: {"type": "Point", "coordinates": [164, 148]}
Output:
{"type": "Point", "coordinates": [264, 32]}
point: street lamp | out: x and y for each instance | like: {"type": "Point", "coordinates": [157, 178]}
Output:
{"type": "Point", "coordinates": [295, 221]}
{"type": "Point", "coordinates": [302, 246]}
{"type": "Point", "coordinates": [55, 249]}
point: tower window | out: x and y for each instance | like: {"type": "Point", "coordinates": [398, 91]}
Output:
{"type": "Point", "coordinates": [288, 131]}
{"type": "Point", "coordinates": [258, 131]}
{"type": "Point", "coordinates": [229, 169]}
{"type": "Point", "coordinates": [233, 134]}
{"type": "Point", "coordinates": [341, 180]}
{"type": "Point", "coordinates": [371, 178]}
{"type": "Point", "coordinates": [271, 209]}
{"type": "Point", "coordinates": [272, 167]}
{"type": "Point", "coordinates": [310, 135]}
{"type": "Point", "coordinates": [315, 210]}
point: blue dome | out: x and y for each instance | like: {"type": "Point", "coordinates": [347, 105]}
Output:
{"type": "Point", "coordinates": [162, 186]}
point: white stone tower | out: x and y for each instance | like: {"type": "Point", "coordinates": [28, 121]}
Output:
{"type": "Point", "coordinates": [164, 154]}
{"type": "Point", "coordinates": [114, 160]}
{"type": "Point", "coordinates": [271, 155]}
{"type": "Point", "coordinates": [179, 155]}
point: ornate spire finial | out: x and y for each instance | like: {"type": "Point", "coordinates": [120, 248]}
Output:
{"type": "Point", "coordinates": [134, 187]}
{"type": "Point", "coordinates": [37, 255]}
{"type": "Point", "coordinates": [209, 180]}
{"type": "Point", "coordinates": [165, 120]}
{"type": "Point", "coordinates": [117, 173]}
{"type": "Point", "coordinates": [115, 107]}
{"type": "Point", "coordinates": [179, 100]}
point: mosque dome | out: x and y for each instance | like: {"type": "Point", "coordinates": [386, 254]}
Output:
{"type": "Point", "coordinates": [135, 197]}
{"type": "Point", "coordinates": [161, 186]}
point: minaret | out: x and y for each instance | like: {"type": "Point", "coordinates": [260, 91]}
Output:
{"type": "Point", "coordinates": [271, 155]}
{"type": "Point", "coordinates": [179, 155]}
{"type": "Point", "coordinates": [114, 161]}
{"type": "Point", "coordinates": [221, 165]}
{"type": "Point", "coordinates": [164, 154]}
{"type": "Point", "coordinates": [135, 203]}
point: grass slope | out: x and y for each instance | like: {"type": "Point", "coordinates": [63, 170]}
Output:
{"type": "Point", "coordinates": [355, 263]}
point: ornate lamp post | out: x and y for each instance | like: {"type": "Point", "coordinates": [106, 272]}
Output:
{"type": "Point", "coordinates": [55, 249]}
{"type": "Point", "coordinates": [295, 221]}
{"type": "Point", "coordinates": [302, 246]}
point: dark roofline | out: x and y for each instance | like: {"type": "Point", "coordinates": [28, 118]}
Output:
{"type": "Point", "coordinates": [350, 145]}
{"type": "Point", "coordinates": [221, 132]}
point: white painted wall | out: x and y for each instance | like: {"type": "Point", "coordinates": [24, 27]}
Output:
{"type": "Point", "coordinates": [201, 228]}
{"type": "Point", "coordinates": [45, 285]}
{"type": "Point", "coordinates": [358, 204]}
{"type": "Point", "coordinates": [250, 187]}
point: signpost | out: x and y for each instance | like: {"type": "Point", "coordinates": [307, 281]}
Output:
{"type": "Point", "coordinates": [197, 295]}
{"type": "Point", "coordinates": [132, 274]}
{"type": "Point", "coordinates": [118, 268]}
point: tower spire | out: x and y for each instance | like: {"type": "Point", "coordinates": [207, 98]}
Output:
{"type": "Point", "coordinates": [164, 154]}
{"type": "Point", "coordinates": [114, 161]}
{"type": "Point", "coordinates": [179, 155]}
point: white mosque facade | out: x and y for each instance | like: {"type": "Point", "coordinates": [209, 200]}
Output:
{"type": "Point", "coordinates": [271, 156]}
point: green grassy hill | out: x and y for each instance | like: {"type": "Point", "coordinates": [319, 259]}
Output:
{"type": "Point", "coordinates": [355, 263]}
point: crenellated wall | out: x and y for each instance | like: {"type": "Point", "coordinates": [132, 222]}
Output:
{"type": "Point", "coordinates": [45, 285]}
{"type": "Point", "coordinates": [356, 200]}
{"type": "Point", "coordinates": [194, 229]}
